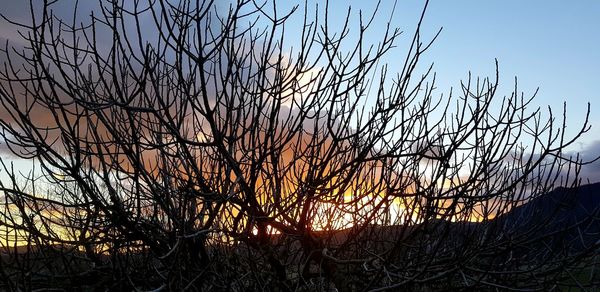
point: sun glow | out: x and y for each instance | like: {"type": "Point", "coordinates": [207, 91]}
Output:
{"type": "Point", "coordinates": [378, 209]}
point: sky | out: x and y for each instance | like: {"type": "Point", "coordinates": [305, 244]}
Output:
{"type": "Point", "coordinates": [553, 45]}
{"type": "Point", "coordinates": [549, 46]}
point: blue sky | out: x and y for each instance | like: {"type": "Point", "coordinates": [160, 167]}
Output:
{"type": "Point", "coordinates": [553, 45]}
{"type": "Point", "coordinates": [550, 45]}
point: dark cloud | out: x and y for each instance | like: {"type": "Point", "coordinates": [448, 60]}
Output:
{"type": "Point", "coordinates": [590, 152]}
{"type": "Point", "coordinates": [4, 148]}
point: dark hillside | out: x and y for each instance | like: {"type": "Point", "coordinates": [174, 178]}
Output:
{"type": "Point", "coordinates": [564, 217]}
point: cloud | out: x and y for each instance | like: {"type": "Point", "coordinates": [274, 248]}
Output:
{"type": "Point", "coordinates": [590, 172]}
{"type": "Point", "coordinates": [4, 148]}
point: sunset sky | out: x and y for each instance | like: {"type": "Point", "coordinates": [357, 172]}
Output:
{"type": "Point", "coordinates": [553, 45]}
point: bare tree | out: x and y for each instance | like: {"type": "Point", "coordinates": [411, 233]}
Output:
{"type": "Point", "coordinates": [186, 145]}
